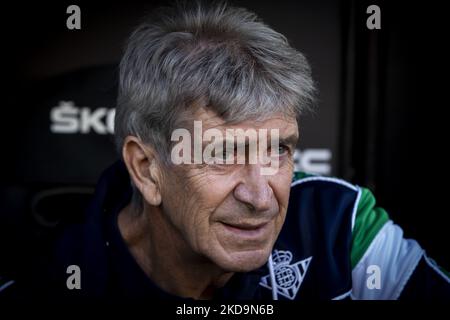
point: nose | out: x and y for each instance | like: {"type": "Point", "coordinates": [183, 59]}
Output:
{"type": "Point", "coordinates": [254, 189]}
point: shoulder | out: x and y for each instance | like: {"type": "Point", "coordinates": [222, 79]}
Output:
{"type": "Point", "coordinates": [302, 178]}
{"type": "Point", "coordinates": [328, 196]}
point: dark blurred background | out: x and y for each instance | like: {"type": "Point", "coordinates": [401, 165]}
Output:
{"type": "Point", "coordinates": [380, 120]}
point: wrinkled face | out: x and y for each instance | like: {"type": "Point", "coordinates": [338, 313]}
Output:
{"type": "Point", "coordinates": [231, 213]}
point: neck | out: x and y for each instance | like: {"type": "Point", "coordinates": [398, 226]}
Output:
{"type": "Point", "coordinates": [165, 257]}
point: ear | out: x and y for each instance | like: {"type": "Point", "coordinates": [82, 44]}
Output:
{"type": "Point", "coordinates": [144, 169]}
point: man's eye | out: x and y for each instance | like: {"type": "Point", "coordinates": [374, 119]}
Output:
{"type": "Point", "coordinates": [282, 150]}
{"type": "Point", "coordinates": [225, 155]}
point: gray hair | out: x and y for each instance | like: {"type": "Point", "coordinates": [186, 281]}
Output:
{"type": "Point", "coordinates": [214, 56]}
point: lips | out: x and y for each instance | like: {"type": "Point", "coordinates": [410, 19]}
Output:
{"type": "Point", "coordinates": [247, 230]}
{"type": "Point", "coordinates": [245, 226]}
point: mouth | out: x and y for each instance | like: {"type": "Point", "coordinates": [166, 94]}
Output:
{"type": "Point", "coordinates": [247, 231]}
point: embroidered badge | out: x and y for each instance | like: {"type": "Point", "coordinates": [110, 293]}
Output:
{"type": "Point", "coordinates": [288, 277]}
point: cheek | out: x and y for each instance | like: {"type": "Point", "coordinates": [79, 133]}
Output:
{"type": "Point", "coordinates": [205, 198]}
{"type": "Point", "coordinates": [281, 186]}
{"type": "Point", "coordinates": [192, 203]}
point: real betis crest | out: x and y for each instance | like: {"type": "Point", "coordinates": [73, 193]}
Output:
{"type": "Point", "coordinates": [288, 277]}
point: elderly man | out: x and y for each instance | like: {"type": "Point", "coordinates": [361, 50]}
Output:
{"type": "Point", "coordinates": [210, 97]}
